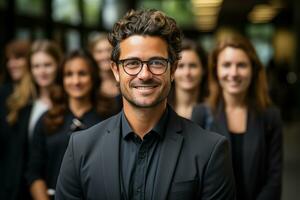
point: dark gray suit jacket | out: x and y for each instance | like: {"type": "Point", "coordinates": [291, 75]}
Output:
{"type": "Point", "coordinates": [194, 163]}
{"type": "Point", "coordinates": [262, 150]}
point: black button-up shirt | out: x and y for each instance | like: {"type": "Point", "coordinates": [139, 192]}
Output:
{"type": "Point", "coordinates": [139, 159]}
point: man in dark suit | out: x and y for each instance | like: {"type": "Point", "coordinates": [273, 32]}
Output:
{"type": "Point", "coordinates": [146, 151]}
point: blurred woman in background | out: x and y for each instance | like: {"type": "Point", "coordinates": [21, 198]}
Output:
{"type": "Point", "coordinates": [240, 109]}
{"type": "Point", "coordinates": [17, 81]}
{"type": "Point", "coordinates": [44, 59]}
{"type": "Point", "coordinates": [15, 95]}
{"type": "Point", "coordinates": [190, 83]}
{"type": "Point", "coordinates": [101, 50]}
{"type": "Point", "coordinates": [75, 106]}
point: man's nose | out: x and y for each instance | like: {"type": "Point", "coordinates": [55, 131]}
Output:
{"type": "Point", "coordinates": [145, 72]}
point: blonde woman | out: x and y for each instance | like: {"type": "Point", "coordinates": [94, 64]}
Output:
{"type": "Point", "coordinates": [44, 59]}
{"type": "Point", "coordinates": [15, 96]}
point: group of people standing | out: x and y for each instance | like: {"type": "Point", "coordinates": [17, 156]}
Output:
{"type": "Point", "coordinates": [45, 96]}
{"type": "Point", "coordinates": [236, 104]}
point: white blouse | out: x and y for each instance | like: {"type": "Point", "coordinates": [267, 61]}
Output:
{"type": "Point", "coordinates": [38, 108]}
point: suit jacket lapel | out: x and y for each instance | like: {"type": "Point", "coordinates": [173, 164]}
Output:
{"type": "Point", "coordinates": [251, 142]}
{"type": "Point", "coordinates": [110, 159]}
{"type": "Point", "coordinates": [170, 152]}
{"type": "Point", "coordinates": [219, 125]}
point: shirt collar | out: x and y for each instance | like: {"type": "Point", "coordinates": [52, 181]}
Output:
{"type": "Point", "coordinates": [158, 128]}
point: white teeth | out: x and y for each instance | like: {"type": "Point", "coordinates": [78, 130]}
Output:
{"type": "Point", "coordinates": [144, 87]}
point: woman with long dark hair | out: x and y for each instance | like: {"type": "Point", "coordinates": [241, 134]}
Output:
{"type": "Point", "coordinates": [190, 79]}
{"type": "Point", "coordinates": [75, 106]}
{"type": "Point", "coordinates": [239, 108]}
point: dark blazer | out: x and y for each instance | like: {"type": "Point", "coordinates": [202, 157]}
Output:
{"type": "Point", "coordinates": [193, 163]}
{"type": "Point", "coordinates": [262, 164]}
{"type": "Point", "coordinates": [47, 149]}
{"type": "Point", "coordinates": [14, 151]}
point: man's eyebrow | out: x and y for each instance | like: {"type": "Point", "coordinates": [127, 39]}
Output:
{"type": "Point", "coordinates": [151, 58]}
{"type": "Point", "coordinates": [157, 57]}
{"type": "Point", "coordinates": [137, 58]}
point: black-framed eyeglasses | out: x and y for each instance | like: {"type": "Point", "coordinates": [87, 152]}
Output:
{"type": "Point", "coordinates": [133, 66]}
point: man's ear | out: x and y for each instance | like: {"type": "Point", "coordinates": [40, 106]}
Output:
{"type": "Point", "coordinates": [173, 69]}
{"type": "Point", "coordinates": [115, 69]}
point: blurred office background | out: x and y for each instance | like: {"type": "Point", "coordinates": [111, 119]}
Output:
{"type": "Point", "coordinates": [272, 25]}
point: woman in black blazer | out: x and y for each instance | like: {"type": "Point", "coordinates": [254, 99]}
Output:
{"type": "Point", "coordinates": [16, 92]}
{"type": "Point", "coordinates": [239, 108]}
{"type": "Point", "coordinates": [74, 107]}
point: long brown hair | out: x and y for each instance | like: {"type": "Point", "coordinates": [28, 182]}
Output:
{"type": "Point", "coordinates": [59, 98]}
{"type": "Point", "coordinates": [188, 44]}
{"type": "Point", "coordinates": [108, 106]}
{"type": "Point", "coordinates": [23, 89]}
{"type": "Point", "coordinates": [48, 47]}
{"type": "Point", "coordinates": [257, 97]}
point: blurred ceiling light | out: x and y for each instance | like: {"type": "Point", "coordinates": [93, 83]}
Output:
{"type": "Point", "coordinates": [262, 13]}
{"type": "Point", "coordinates": [206, 20]}
{"type": "Point", "coordinates": [205, 24]}
{"type": "Point", "coordinates": [204, 11]}
{"type": "Point", "coordinates": [206, 3]}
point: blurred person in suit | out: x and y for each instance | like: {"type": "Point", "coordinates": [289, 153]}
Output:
{"type": "Point", "coordinates": [101, 49]}
{"type": "Point", "coordinates": [190, 79]}
{"type": "Point", "coordinates": [75, 106]}
{"type": "Point", "coordinates": [240, 109]}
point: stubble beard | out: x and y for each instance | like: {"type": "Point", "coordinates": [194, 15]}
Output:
{"type": "Point", "coordinates": [155, 103]}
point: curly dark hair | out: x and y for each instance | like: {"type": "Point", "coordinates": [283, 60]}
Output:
{"type": "Point", "coordinates": [146, 22]}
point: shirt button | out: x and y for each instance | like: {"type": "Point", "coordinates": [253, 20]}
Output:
{"type": "Point", "coordinates": [142, 155]}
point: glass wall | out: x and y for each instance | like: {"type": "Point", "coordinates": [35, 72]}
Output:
{"type": "Point", "coordinates": [30, 7]}
{"type": "Point", "coordinates": [92, 12]}
{"type": "Point", "coordinates": [179, 10]}
{"type": "Point", "coordinates": [66, 11]}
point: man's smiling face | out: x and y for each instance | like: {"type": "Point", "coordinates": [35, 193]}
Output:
{"type": "Point", "coordinates": [144, 90]}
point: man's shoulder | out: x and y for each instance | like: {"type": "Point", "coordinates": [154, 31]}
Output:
{"type": "Point", "coordinates": [196, 135]}
{"type": "Point", "coordinates": [193, 132]}
{"type": "Point", "coordinates": [200, 143]}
